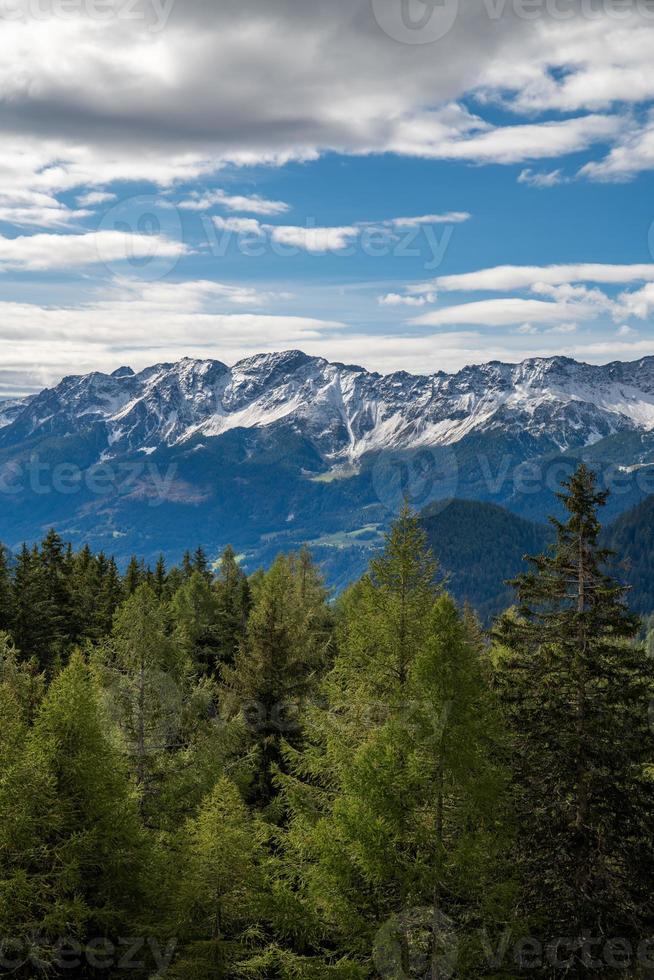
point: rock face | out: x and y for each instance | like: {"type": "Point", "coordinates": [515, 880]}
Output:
{"type": "Point", "coordinates": [282, 448]}
{"type": "Point", "coordinates": [343, 410]}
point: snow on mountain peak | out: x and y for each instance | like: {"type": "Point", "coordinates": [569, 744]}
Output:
{"type": "Point", "coordinates": [343, 410]}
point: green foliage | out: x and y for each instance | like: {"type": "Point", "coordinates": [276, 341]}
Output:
{"type": "Point", "coordinates": [577, 690]}
{"type": "Point", "coordinates": [73, 855]}
{"type": "Point", "coordinates": [480, 546]}
{"type": "Point", "coordinates": [264, 785]}
{"type": "Point", "coordinates": [276, 669]}
{"type": "Point", "coordinates": [396, 805]}
{"type": "Point", "coordinates": [217, 900]}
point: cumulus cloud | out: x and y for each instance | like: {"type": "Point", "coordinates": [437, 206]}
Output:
{"type": "Point", "coordinates": [568, 293]}
{"type": "Point", "coordinates": [93, 198]}
{"type": "Point", "coordinates": [252, 203]}
{"type": "Point", "coordinates": [397, 299]}
{"type": "Point", "coordinates": [314, 239]}
{"type": "Point", "coordinates": [240, 226]}
{"type": "Point", "coordinates": [630, 156]}
{"type": "Point", "coordinates": [63, 251]}
{"type": "Point", "coordinates": [244, 83]}
{"type": "Point", "coordinates": [546, 178]}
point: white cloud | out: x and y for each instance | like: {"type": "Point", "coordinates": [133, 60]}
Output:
{"type": "Point", "coordinates": [504, 312]}
{"type": "Point", "coordinates": [50, 251]}
{"type": "Point", "coordinates": [252, 204]}
{"type": "Point", "coordinates": [141, 323]}
{"type": "Point", "coordinates": [632, 154]}
{"type": "Point", "coordinates": [450, 218]}
{"type": "Point", "coordinates": [551, 178]}
{"type": "Point", "coordinates": [308, 239]}
{"type": "Point", "coordinates": [503, 278]}
{"type": "Point", "coordinates": [30, 208]}
{"type": "Point", "coordinates": [640, 303]}
{"type": "Point", "coordinates": [240, 226]}
{"type": "Point", "coordinates": [190, 297]}
{"type": "Point", "coordinates": [249, 84]}
{"type": "Point", "coordinates": [513, 144]}
{"type": "Point", "coordinates": [396, 299]}
{"type": "Point", "coordinates": [316, 240]}
{"type": "Point", "coordinates": [91, 198]}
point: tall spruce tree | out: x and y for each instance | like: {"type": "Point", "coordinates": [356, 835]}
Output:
{"type": "Point", "coordinates": [140, 673]}
{"type": "Point", "coordinates": [153, 698]}
{"type": "Point", "coordinates": [576, 689]}
{"type": "Point", "coordinates": [233, 603]}
{"type": "Point", "coordinates": [194, 612]}
{"type": "Point", "coordinates": [276, 669]}
{"type": "Point", "coordinates": [33, 610]}
{"type": "Point", "coordinates": [7, 595]}
{"type": "Point", "coordinates": [134, 575]}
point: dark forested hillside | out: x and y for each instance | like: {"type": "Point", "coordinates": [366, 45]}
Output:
{"type": "Point", "coordinates": [632, 537]}
{"type": "Point", "coordinates": [480, 546]}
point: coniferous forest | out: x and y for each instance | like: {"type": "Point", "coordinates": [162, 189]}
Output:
{"type": "Point", "coordinates": [209, 775]}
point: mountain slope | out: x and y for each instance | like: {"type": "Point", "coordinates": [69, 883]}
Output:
{"type": "Point", "coordinates": [480, 546]}
{"type": "Point", "coordinates": [631, 536]}
{"type": "Point", "coordinates": [284, 448]}
{"type": "Point", "coordinates": [345, 410]}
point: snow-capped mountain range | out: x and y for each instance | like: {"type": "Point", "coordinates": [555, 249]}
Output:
{"type": "Point", "coordinates": [343, 410]}
{"type": "Point", "coordinates": [282, 449]}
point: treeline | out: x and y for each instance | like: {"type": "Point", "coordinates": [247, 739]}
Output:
{"type": "Point", "coordinates": [206, 775]}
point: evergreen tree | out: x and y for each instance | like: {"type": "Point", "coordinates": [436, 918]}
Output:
{"type": "Point", "coordinates": [56, 563]}
{"type": "Point", "coordinates": [233, 606]}
{"type": "Point", "coordinates": [194, 615]}
{"type": "Point", "coordinates": [160, 578]}
{"type": "Point", "coordinates": [84, 585]}
{"type": "Point", "coordinates": [187, 565]}
{"type": "Point", "coordinates": [140, 665]}
{"type": "Point", "coordinates": [72, 855]}
{"type": "Point", "coordinates": [395, 805]}
{"type": "Point", "coordinates": [276, 669]}
{"type": "Point", "coordinates": [218, 899]}
{"type": "Point", "coordinates": [174, 581]}
{"type": "Point", "coordinates": [33, 610]}
{"type": "Point", "coordinates": [22, 690]}
{"type": "Point", "coordinates": [155, 702]}
{"type": "Point", "coordinates": [110, 594]}
{"type": "Point", "coordinates": [576, 690]}
{"type": "Point", "coordinates": [7, 597]}
{"type": "Point", "coordinates": [134, 575]}
{"type": "Point", "coordinates": [200, 564]}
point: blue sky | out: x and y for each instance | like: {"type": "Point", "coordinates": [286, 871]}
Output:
{"type": "Point", "coordinates": [217, 180]}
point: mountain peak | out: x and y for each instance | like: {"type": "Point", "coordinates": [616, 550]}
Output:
{"type": "Point", "coordinates": [344, 411]}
